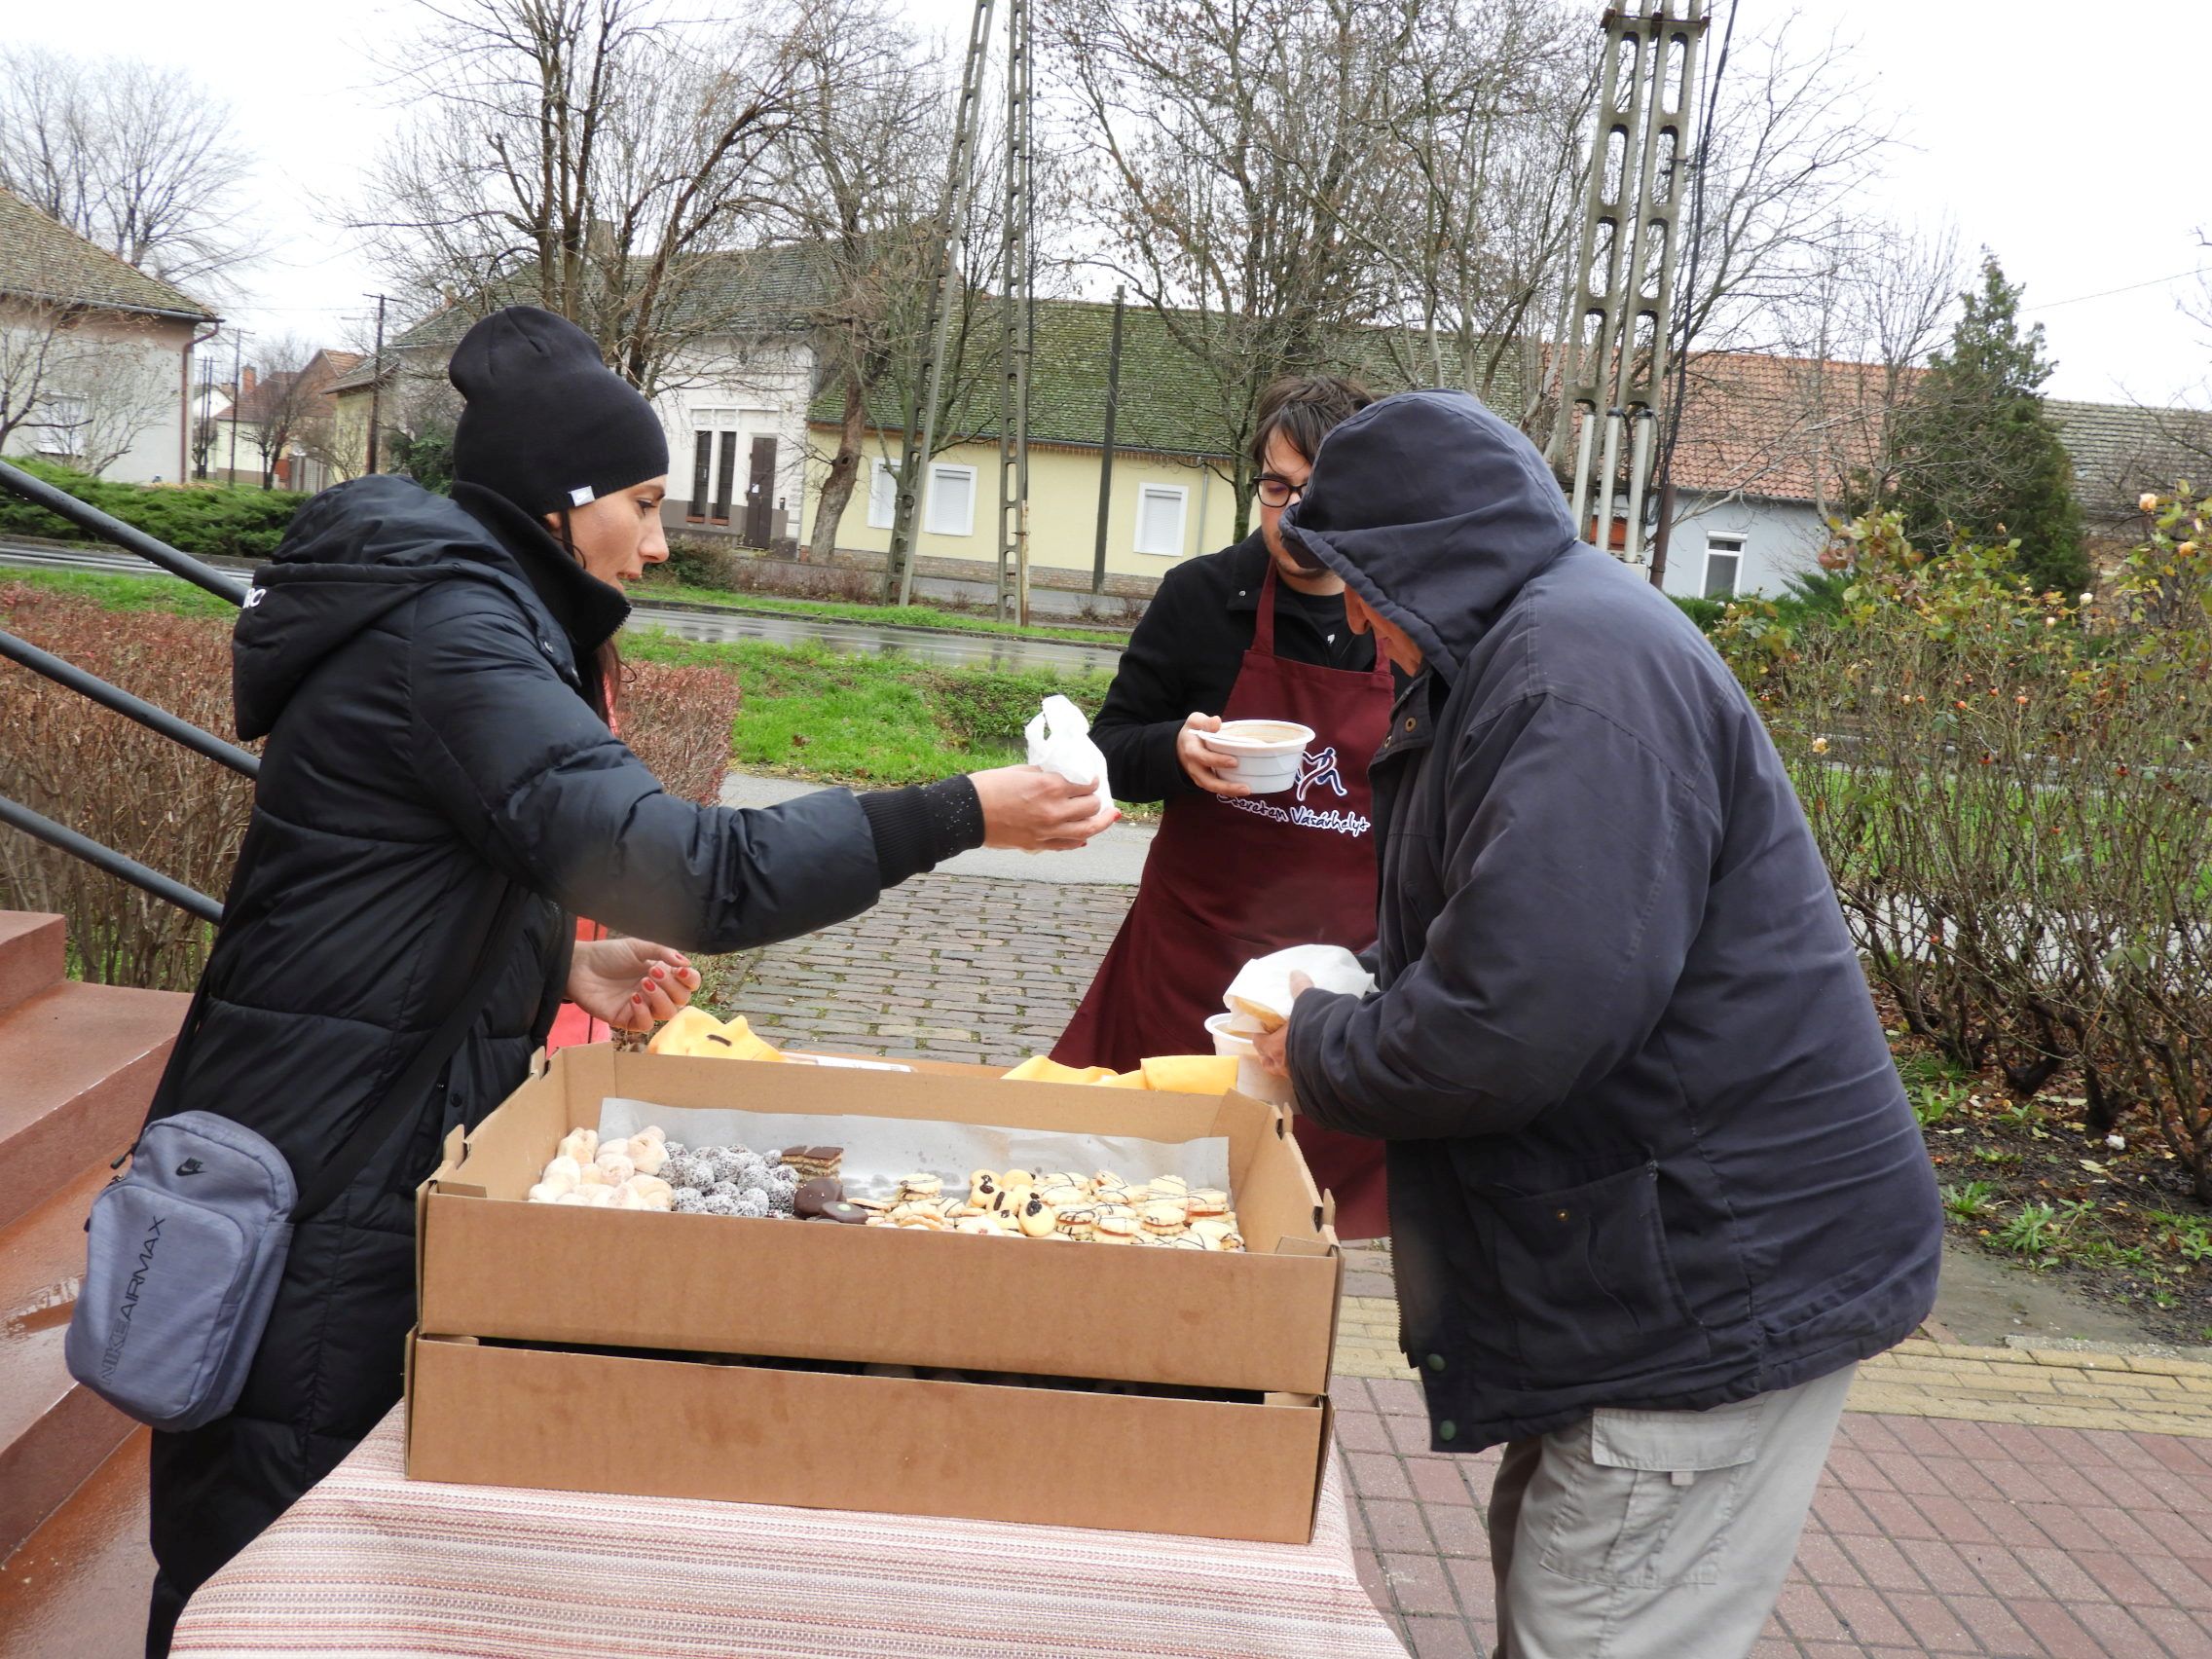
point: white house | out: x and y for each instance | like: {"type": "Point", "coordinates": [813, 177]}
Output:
{"type": "Point", "coordinates": [95, 356]}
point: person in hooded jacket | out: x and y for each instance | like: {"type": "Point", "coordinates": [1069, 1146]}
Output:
{"type": "Point", "coordinates": [1655, 1189]}
{"type": "Point", "coordinates": [432, 677]}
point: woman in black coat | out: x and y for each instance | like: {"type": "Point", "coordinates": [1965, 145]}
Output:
{"type": "Point", "coordinates": [433, 677]}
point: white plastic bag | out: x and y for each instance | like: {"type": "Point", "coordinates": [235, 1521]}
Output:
{"type": "Point", "coordinates": [1059, 741]}
{"type": "Point", "coordinates": [1262, 987]}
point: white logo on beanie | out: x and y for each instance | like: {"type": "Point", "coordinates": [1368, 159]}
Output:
{"type": "Point", "coordinates": [583, 495]}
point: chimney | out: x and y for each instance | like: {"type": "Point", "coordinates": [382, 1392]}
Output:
{"type": "Point", "coordinates": [246, 389]}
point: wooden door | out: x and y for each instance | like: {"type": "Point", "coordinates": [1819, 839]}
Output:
{"type": "Point", "coordinates": [761, 493]}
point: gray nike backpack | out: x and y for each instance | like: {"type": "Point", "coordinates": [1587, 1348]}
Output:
{"type": "Point", "coordinates": [185, 1251]}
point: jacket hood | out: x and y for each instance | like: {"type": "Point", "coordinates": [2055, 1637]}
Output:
{"type": "Point", "coordinates": [1435, 512]}
{"type": "Point", "coordinates": [353, 554]}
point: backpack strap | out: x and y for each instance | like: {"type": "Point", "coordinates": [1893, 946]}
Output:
{"type": "Point", "coordinates": [407, 1091]}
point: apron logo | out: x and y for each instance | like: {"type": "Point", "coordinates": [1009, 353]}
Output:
{"type": "Point", "coordinates": [1320, 768]}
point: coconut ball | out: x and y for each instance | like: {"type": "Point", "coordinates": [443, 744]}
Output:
{"type": "Point", "coordinates": [685, 1199]}
{"type": "Point", "coordinates": [687, 1169]}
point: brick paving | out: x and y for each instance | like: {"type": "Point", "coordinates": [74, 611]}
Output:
{"type": "Point", "coordinates": [1978, 1501]}
{"type": "Point", "coordinates": [949, 967]}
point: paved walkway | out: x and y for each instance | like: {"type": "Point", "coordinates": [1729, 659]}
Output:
{"type": "Point", "coordinates": [1978, 1501]}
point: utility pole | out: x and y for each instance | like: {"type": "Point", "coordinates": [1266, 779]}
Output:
{"type": "Point", "coordinates": [376, 385]}
{"type": "Point", "coordinates": [952, 220]}
{"type": "Point", "coordinates": [1017, 325]}
{"type": "Point", "coordinates": [1621, 315]}
{"type": "Point", "coordinates": [1106, 446]}
{"type": "Point", "coordinates": [238, 391]}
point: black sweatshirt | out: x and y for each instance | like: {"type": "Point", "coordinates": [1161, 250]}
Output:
{"type": "Point", "coordinates": [1187, 651]}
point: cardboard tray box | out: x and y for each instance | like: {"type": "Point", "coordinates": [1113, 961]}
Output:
{"type": "Point", "coordinates": [492, 1265]}
{"type": "Point", "coordinates": [484, 1414]}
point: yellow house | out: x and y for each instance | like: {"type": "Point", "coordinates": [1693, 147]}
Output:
{"type": "Point", "coordinates": [1169, 497]}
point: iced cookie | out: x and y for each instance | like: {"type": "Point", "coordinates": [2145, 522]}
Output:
{"type": "Point", "coordinates": [814, 1197]}
{"type": "Point", "coordinates": [1117, 1230]}
{"type": "Point", "coordinates": [1163, 1215]}
{"type": "Point", "coordinates": [916, 1187]}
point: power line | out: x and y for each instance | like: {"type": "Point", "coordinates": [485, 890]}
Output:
{"type": "Point", "coordinates": [2107, 293]}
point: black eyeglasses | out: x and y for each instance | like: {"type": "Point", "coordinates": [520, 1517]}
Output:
{"type": "Point", "coordinates": [1275, 491]}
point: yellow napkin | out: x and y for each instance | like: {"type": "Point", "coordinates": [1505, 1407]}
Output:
{"type": "Point", "coordinates": [694, 1031]}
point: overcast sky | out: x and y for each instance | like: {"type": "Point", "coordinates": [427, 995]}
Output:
{"type": "Point", "coordinates": [2050, 133]}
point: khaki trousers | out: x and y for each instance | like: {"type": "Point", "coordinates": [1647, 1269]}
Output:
{"type": "Point", "coordinates": [1657, 1535]}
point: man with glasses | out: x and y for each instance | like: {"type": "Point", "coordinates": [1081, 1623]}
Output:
{"type": "Point", "coordinates": [1254, 632]}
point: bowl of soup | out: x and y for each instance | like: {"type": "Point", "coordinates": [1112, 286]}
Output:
{"type": "Point", "coordinates": [1268, 752]}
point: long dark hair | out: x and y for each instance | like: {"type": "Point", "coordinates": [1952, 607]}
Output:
{"type": "Point", "coordinates": [604, 675]}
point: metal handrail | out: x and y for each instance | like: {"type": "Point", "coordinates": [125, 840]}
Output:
{"type": "Point", "coordinates": [129, 538]}
{"type": "Point", "coordinates": [20, 817]}
{"type": "Point", "coordinates": [149, 714]}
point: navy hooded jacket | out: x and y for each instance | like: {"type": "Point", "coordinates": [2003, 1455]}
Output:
{"type": "Point", "coordinates": [1647, 1145]}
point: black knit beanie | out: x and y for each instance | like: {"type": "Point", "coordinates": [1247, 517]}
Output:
{"type": "Point", "coordinates": [548, 424]}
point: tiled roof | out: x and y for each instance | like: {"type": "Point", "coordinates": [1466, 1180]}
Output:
{"type": "Point", "coordinates": [1770, 427]}
{"type": "Point", "coordinates": [763, 290]}
{"type": "Point", "coordinates": [43, 259]}
{"type": "Point", "coordinates": [1164, 406]}
{"type": "Point", "coordinates": [1764, 426]}
{"type": "Point", "coordinates": [2120, 450]}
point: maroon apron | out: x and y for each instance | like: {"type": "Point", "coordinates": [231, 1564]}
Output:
{"type": "Point", "coordinates": [1230, 880]}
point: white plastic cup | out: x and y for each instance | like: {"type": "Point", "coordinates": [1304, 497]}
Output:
{"type": "Point", "coordinates": [1233, 1035]}
{"type": "Point", "coordinates": [1268, 752]}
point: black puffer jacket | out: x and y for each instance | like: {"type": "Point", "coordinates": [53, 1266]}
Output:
{"type": "Point", "coordinates": [1647, 1147]}
{"type": "Point", "coordinates": [414, 663]}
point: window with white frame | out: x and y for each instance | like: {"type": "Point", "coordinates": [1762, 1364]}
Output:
{"type": "Point", "coordinates": [63, 418]}
{"type": "Point", "coordinates": [1723, 565]}
{"type": "Point", "coordinates": [1160, 510]}
{"type": "Point", "coordinates": [952, 499]}
{"type": "Point", "coordinates": [882, 497]}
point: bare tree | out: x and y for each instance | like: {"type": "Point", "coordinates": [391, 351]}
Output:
{"type": "Point", "coordinates": [860, 157]}
{"type": "Point", "coordinates": [590, 157]}
{"type": "Point", "coordinates": [282, 404]}
{"type": "Point", "coordinates": [135, 157]}
{"type": "Point", "coordinates": [1223, 145]}
{"type": "Point", "coordinates": [1471, 216]}
{"type": "Point", "coordinates": [79, 383]}
{"type": "Point", "coordinates": [35, 351]}
{"type": "Point", "coordinates": [1821, 415]}
{"type": "Point", "coordinates": [1793, 142]}
{"type": "Point", "coordinates": [123, 389]}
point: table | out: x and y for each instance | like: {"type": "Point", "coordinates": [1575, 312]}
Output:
{"type": "Point", "coordinates": [370, 1563]}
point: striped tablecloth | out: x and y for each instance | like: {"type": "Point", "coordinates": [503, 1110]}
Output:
{"type": "Point", "coordinates": [371, 1563]}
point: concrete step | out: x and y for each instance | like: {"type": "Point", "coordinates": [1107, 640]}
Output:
{"type": "Point", "coordinates": [78, 1066]}
{"type": "Point", "coordinates": [31, 954]}
{"type": "Point", "coordinates": [53, 1433]}
{"type": "Point", "coordinates": [78, 1586]}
